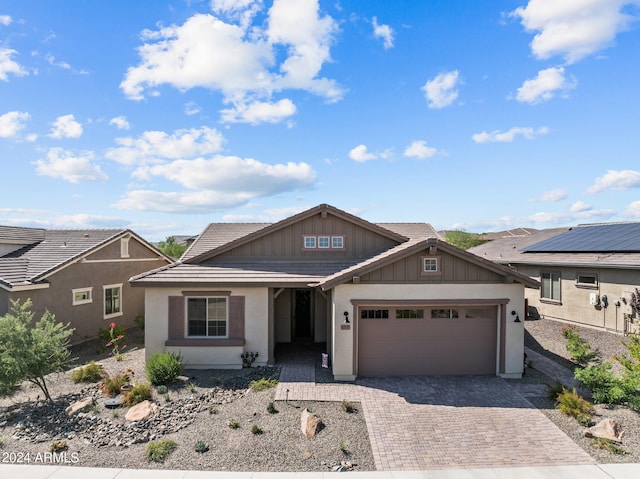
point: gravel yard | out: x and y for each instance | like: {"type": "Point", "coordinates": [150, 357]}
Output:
{"type": "Point", "coordinates": [205, 403]}
{"type": "Point", "coordinates": [544, 336]}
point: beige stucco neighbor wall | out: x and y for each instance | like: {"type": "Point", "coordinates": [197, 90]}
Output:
{"type": "Point", "coordinates": [342, 350]}
{"type": "Point", "coordinates": [616, 284]}
{"type": "Point", "coordinates": [223, 357]}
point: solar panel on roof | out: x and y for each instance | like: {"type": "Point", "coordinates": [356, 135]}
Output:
{"type": "Point", "coordinates": [603, 238]}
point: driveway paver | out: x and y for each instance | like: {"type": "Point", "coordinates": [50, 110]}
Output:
{"type": "Point", "coordinates": [440, 422]}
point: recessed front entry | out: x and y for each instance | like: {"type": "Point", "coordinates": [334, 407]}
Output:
{"type": "Point", "coordinates": [302, 324]}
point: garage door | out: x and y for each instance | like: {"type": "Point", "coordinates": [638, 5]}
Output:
{"type": "Point", "coordinates": [401, 341]}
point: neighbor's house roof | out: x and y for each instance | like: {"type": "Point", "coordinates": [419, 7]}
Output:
{"type": "Point", "coordinates": [198, 265]}
{"type": "Point", "coordinates": [52, 250]}
{"type": "Point", "coordinates": [608, 245]}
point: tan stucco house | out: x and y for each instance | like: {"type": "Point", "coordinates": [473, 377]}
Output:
{"type": "Point", "coordinates": [387, 299]}
{"type": "Point", "coordinates": [81, 276]}
{"type": "Point", "coordinates": [587, 273]}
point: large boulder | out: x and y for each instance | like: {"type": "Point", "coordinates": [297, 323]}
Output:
{"type": "Point", "coordinates": [140, 411]}
{"type": "Point", "coordinates": [80, 406]}
{"type": "Point", "coordinates": [606, 429]}
{"type": "Point", "coordinates": [310, 424]}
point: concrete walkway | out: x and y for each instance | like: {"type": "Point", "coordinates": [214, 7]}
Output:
{"type": "Point", "coordinates": [427, 423]}
{"type": "Point", "coordinates": [551, 368]}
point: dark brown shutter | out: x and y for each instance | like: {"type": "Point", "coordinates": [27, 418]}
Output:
{"type": "Point", "coordinates": [176, 317]}
{"type": "Point", "coordinates": [236, 317]}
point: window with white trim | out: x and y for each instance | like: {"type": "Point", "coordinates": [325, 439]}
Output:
{"type": "Point", "coordinates": [550, 286]}
{"type": "Point", "coordinates": [429, 265]}
{"type": "Point", "coordinates": [81, 296]}
{"type": "Point", "coordinates": [112, 300]}
{"type": "Point", "coordinates": [208, 317]}
{"type": "Point", "coordinates": [323, 241]}
{"type": "Point", "coordinates": [337, 242]}
{"type": "Point", "coordinates": [309, 242]}
{"type": "Point", "coordinates": [587, 280]}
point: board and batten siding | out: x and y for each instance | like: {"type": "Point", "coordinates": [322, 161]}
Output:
{"type": "Point", "coordinates": [287, 243]}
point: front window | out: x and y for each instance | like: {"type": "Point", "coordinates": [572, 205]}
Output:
{"type": "Point", "coordinates": [337, 242]}
{"type": "Point", "coordinates": [112, 300]}
{"type": "Point", "coordinates": [207, 317]}
{"type": "Point", "coordinates": [81, 296]}
{"type": "Point", "coordinates": [429, 265]}
{"type": "Point", "coordinates": [551, 286]}
{"type": "Point", "coordinates": [323, 241]}
{"type": "Point", "coordinates": [309, 242]}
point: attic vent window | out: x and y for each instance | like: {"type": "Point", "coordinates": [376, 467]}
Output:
{"type": "Point", "coordinates": [124, 247]}
{"type": "Point", "coordinates": [430, 265]}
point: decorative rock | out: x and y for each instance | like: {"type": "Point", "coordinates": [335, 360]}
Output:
{"type": "Point", "coordinates": [143, 410]}
{"type": "Point", "coordinates": [310, 424]}
{"type": "Point", "coordinates": [80, 406]}
{"type": "Point", "coordinates": [114, 402]}
{"type": "Point", "coordinates": [606, 429]}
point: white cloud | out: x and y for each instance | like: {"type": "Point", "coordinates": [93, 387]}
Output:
{"type": "Point", "coordinates": [616, 180]}
{"type": "Point", "coordinates": [509, 135]}
{"type": "Point", "coordinates": [385, 32]}
{"type": "Point", "coordinates": [158, 146]}
{"type": "Point", "coordinates": [71, 167]}
{"type": "Point", "coordinates": [5, 20]}
{"type": "Point", "coordinates": [580, 207]}
{"type": "Point", "coordinates": [259, 112]}
{"type": "Point", "coordinates": [360, 154]}
{"type": "Point", "coordinates": [219, 182]}
{"type": "Point", "coordinates": [552, 196]}
{"type": "Point", "coordinates": [12, 123]}
{"type": "Point", "coordinates": [246, 62]}
{"type": "Point", "coordinates": [441, 91]}
{"type": "Point", "coordinates": [120, 122]}
{"type": "Point", "coordinates": [633, 210]}
{"type": "Point", "coordinates": [8, 65]}
{"type": "Point", "coordinates": [419, 149]}
{"type": "Point", "coordinates": [573, 29]}
{"type": "Point", "coordinates": [191, 109]}
{"type": "Point", "coordinates": [66, 127]}
{"type": "Point", "coordinates": [545, 85]}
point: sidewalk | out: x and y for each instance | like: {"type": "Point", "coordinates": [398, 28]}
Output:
{"type": "Point", "coordinates": [600, 471]}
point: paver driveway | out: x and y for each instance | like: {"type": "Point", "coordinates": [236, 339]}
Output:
{"type": "Point", "coordinates": [443, 422]}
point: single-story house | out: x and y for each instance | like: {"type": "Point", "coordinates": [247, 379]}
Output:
{"type": "Point", "coordinates": [81, 276]}
{"type": "Point", "coordinates": [387, 298]}
{"type": "Point", "coordinates": [587, 273]}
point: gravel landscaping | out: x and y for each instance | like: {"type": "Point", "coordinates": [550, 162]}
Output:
{"type": "Point", "coordinates": [199, 407]}
{"type": "Point", "coordinates": [544, 336]}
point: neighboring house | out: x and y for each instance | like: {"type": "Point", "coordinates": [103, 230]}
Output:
{"type": "Point", "coordinates": [387, 299]}
{"type": "Point", "coordinates": [587, 273]}
{"type": "Point", "coordinates": [81, 276]}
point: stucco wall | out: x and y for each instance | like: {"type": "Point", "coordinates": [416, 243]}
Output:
{"type": "Point", "coordinates": [256, 329]}
{"type": "Point", "coordinates": [616, 284]}
{"type": "Point", "coordinates": [342, 350]}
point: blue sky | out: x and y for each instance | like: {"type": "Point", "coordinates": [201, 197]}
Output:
{"type": "Point", "coordinates": [165, 116]}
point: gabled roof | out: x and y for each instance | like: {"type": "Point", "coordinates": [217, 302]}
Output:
{"type": "Point", "coordinates": [20, 235]}
{"type": "Point", "coordinates": [410, 247]}
{"type": "Point", "coordinates": [59, 248]}
{"type": "Point", "coordinates": [507, 249]}
{"type": "Point", "coordinates": [224, 238]}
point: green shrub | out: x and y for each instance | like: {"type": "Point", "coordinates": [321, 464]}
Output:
{"type": "Point", "coordinates": [571, 404]}
{"type": "Point", "coordinates": [606, 387]}
{"type": "Point", "coordinates": [555, 389]}
{"type": "Point", "coordinates": [163, 368]}
{"type": "Point", "coordinates": [271, 408]}
{"type": "Point", "coordinates": [608, 445]}
{"type": "Point", "coordinates": [137, 394]}
{"type": "Point", "coordinates": [139, 322]}
{"type": "Point", "coordinates": [112, 385]}
{"type": "Point", "coordinates": [92, 372]}
{"type": "Point", "coordinates": [344, 448]}
{"type": "Point", "coordinates": [348, 406]}
{"type": "Point", "coordinates": [256, 430]}
{"type": "Point", "coordinates": [160, 450]}
{"type": "Point", "coordinates": [162, 389]}
{"type": "Point", "coordinates": [234, 424]}
{"type": "Point", "coordinates": [201, 446]}
{"type": "Point", "coordinates": [579, 348]}
{"type": "Point", "coordinates": [58, 446]}
{"type": "Point", "coordinates": [262, 384]}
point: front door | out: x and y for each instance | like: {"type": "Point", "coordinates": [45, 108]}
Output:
{"type": "Point", "coordinates": [302, 317]}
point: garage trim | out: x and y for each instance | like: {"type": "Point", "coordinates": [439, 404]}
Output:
{"type": "Point", "coordinates": [500, 303]}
